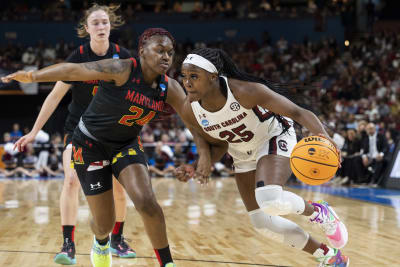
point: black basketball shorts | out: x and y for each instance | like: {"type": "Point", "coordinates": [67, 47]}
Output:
{"type": "Point", "coordinates": [95, 162]}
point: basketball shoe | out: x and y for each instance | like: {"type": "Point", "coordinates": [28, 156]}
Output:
{"type": "Point", "coordinates": [334, 258]}
{"type": "Point", "coordinates": [170, 264]}
{"type": "Point", "coordinates": [122, 249]}
{"type": "Point", "coordinates": [334, 229]}
{"type": "Point", "coordinates": [67, 254]}
{"type": "Point", "coordinates": [100, 256]}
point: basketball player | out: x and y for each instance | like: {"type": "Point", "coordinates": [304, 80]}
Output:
{"type": "Point", "coordinates": [97, 24]}
{"type": "Point", "coordinates": [106, 140]}
{"type": "Point", "coordinates": [242, 110]}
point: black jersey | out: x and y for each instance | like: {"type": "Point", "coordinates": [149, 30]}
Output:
{"type": "Point", "coordinates": [117, 113]}
{"type": "Point", "coordinates": [83, 92]}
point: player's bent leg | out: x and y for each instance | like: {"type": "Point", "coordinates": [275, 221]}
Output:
{"type": "Point", "coordinates": [119, 246]}
{"type": "Point", "coordinates": [279, 229]}
{"type": "Point", "coordinates": [334, 229]}
{"type": "Point", "coordinates": [68, 211]}
{"type": "Point", "coordinates": [272, 173]}
{"type": "Point", "coordinates": [275, 201]}
{"type": "Point", "coordinates": [136, 181]}
{"type": "Point", "coordinates": [103, 212]}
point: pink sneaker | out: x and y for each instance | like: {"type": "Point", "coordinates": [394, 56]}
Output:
{"type": "Point", "coordinates": [334, 229]}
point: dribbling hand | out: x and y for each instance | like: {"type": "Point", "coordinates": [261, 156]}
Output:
{"type": "Point", "coordinates": [337, 149]}
{"type": "Point", "coordinates": [20, 76]}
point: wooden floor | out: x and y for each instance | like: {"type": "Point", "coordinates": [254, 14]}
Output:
{"type": "Point", "coordinates": [207, 226]}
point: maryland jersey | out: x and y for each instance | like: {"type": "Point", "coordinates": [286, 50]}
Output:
{"type": "Point", "coordinates": [244, 129]}
{"type": "Point", "coordinates": [83, 91]}
{"type": "Point", "coordinates": [117, 113]}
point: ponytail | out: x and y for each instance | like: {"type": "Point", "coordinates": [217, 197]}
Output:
{"type": "Point", "coordinates": [228, 68]}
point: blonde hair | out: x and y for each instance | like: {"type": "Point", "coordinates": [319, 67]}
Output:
{"type": "Point", "coordinates": [115, 20]}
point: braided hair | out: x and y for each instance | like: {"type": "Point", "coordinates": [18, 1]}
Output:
{"type": "Point", "coordinates": [148, 33]}
{"type": "Point", "coordinates": [228, 68]}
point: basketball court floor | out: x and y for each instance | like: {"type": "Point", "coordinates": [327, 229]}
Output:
{"type": "Point", "coordinates": [207, 226]}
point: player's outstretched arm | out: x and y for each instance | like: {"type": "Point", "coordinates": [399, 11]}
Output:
{"type": "Point", "coordinates": [117, 70]}
{"type": "Point", "coordinates": [256, 94]}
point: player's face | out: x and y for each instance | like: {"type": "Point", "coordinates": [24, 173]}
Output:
{"type": "Point", "coordinates": [158, 52]}
{"type": "Point", "coordinates": [98, 26]}
{"type": "Point", "coordinates": [196, 81]}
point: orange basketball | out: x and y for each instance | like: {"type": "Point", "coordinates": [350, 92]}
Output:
{"type": "Point", "coordinates": [314, 160]}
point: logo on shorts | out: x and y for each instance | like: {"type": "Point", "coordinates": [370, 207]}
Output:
{"type": "Point", "coordinates": [235, 106]}
{"type": "Point", "coordinates": [95, 186]}
{"type": "Point", "coordinates": [311, 151]}
{"type": "Point", "coordinates": [98, 165]}
{"type": "Point", "coordinates": [249, 152]}
{"type": "Point", "coordinates": [205, 123]}
{"type": "Point", "coordinates": [282, 144]}
{"type": "Point", "coordinates": [77, 155]}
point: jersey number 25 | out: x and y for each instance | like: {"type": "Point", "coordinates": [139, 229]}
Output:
{"type": "Point", "coordinates": [237, 135]}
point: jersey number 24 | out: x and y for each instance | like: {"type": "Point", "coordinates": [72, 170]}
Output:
{"type": "Point", "coordinates": [136, 117]}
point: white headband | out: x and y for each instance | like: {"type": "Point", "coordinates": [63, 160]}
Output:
{"type": "Point", "coordinates": [201, 62]}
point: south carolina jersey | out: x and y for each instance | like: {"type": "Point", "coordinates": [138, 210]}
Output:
{"type": "Point", "coordinates": [244, 129]}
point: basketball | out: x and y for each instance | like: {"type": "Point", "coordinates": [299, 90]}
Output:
{"type": "Point", "coordinates": [314, 160]}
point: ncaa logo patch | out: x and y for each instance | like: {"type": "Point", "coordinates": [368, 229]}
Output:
{"type": "Point", "coordinates": [311, 151]}
{"type": "Point", "coordinates": [115, 56]}
{"type": "Point", "coordinates": [163, 88]}
{"type": "Point", "coordinates": [205, 123]}
{"type": "Point", "coordinates": [282, 144]}
{"type": "Point", "coordinates": [235, 106]}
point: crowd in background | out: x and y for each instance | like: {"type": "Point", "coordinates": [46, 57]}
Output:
{"type": "Point", "coordinates": [67, 10]}
{"type": "Point", "coordinates": [355, 92]}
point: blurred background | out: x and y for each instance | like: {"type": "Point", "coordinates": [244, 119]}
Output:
{"type": "Point", "coordinates": [349, 49]}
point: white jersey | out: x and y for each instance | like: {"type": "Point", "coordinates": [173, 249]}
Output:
{"type": "Point", "coordinates": [244, 129]}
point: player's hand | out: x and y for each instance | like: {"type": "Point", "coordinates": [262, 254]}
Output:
{"type": "Point", "coordinates": [203, 170]}
{"type": "Point", "coordinates": [24, 140]}
{"type": "Point", "coordinates": [184, 172]}
{"type": "Point", "coordinates": [337, 149]}
{"type": "Point", "coordinates": [20, 76]}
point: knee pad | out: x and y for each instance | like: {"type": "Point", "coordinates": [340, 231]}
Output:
{"type": "Point", "coordinates": [279, 229]}
{"type": "Point", "coordinates": [275, 201]}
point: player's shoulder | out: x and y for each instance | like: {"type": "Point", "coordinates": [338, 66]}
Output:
{"type": "Point", "coordinates": [76, 55]}
{"type": "Point", "coordinates": [243, 91]}
{"type": "Point", "coordinates": [122, 51]}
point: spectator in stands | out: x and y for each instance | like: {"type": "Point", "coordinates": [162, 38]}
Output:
{"type": "Point", "coordinates": [162, 162]}
{"type": "Point", "coordinates": [374, 147]}
{"type": "Point", "coordinates": [351, 164]}
{"type": "Point", "coordinates": [177, 7]}
{"type": "Point", "coordinates": [29, 160]}
{"type": "Point", "coordinates": [265, 6]}
{"type": "Point", "coordinates": [16, 133]}
{"type": "Point", "coordinates": [9, 157]}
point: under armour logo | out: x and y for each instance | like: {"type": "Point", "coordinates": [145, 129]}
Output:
{"type": "Point", "coordinates": [95, 186]}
